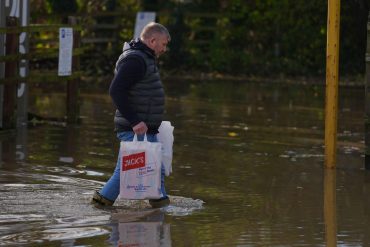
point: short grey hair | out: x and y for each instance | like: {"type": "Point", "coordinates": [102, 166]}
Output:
{"type": "Point", "coordinates": [153, 28]}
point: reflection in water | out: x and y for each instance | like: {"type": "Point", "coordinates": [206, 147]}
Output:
{"type": "Point", "coordinates": [21, 140]}
{"type": "Point", "coordinates": [148, 231]}
{"type": "Point", "coordinates": [330, 207]}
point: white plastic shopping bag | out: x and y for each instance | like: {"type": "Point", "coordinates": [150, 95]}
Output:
{"type": "Point", "coordinates": [165, 136]}
{"type": "Point", "coordinates": [140, 176]}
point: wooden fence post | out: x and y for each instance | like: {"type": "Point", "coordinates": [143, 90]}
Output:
{"type": "Point", "coordinates": [367, 99]}
{"type": "Point", "coordinates": [72, 85]}
{"type": "Point", "coordinates": [10, 88]}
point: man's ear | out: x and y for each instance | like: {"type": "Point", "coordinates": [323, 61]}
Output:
{"type": "Point", "coordinates": [152, 40]}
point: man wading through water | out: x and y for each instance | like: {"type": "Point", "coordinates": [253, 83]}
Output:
{"type": "Point", "coordinates": [138, 94]}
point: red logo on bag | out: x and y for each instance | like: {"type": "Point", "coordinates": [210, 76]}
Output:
{"type": "Point", "coordinates": [133, 161]}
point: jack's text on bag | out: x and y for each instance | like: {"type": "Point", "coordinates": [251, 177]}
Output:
{"type": "Point", "coordinates": [133, 161]}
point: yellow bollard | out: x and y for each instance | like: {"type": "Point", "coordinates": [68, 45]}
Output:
{"type": "Point", "coordinates": [332, 61]}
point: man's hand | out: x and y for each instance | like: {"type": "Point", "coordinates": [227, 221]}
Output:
{"type": "Point", "coordinates": [140, 128]}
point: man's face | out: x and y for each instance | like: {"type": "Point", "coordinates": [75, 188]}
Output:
{"type": "Point", "coordinates": [158, 44]}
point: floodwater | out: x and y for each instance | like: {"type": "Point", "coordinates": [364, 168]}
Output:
{"type": "Point", "coordinates": [247, 171]}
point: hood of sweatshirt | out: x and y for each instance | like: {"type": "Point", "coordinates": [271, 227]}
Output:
{"type": "Point", "coordinates": [137, 44]}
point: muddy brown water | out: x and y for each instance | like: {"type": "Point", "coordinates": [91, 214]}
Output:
{"type": "Point", "coordinates": [247, 171]}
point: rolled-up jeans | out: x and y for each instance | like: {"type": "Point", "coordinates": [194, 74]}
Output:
{"type": "Point", "coordinates": [110, 190]}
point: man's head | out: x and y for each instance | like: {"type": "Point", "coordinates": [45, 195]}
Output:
{"type": "Point", "coordinates": [156, 37]}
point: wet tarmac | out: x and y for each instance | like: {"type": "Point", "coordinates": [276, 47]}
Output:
{"type": "Point", "coordinates": [247, 171]}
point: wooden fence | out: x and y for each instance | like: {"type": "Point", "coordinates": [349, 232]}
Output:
{"type": "Point", "coordinates": [37, 55]}
{"type": "Point", "coordinates": [99, 30]}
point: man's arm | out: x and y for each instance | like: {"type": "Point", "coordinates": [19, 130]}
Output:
{"type": "Point", "coordinates": [130, 71]}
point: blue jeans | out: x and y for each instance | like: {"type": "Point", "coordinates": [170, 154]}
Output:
{"type": "Point", "coordinates": [110, 190]}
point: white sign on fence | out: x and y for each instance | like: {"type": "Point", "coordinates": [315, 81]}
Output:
{"type": "Point", "coordinates": [65, 51]}
{"type": "Point", "coordinates": [142, 18]}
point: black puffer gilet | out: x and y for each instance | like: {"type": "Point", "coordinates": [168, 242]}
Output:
{"type": "Point", "coordinates": [146, 96]}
